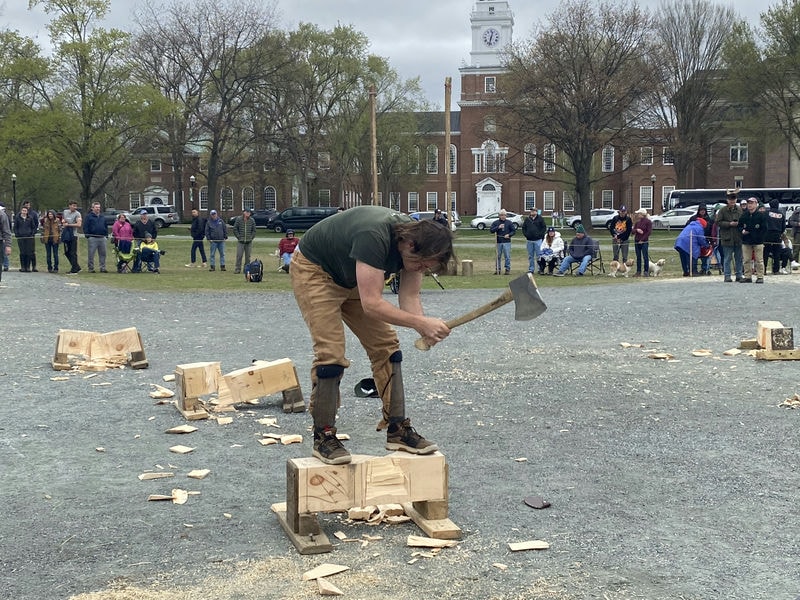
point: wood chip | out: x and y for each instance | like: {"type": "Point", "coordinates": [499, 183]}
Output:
{"type": "Point", "coordinates": [326, 588]}
{"type": "Point", "coordinates": [702, 352]}
{"type": "Point", "coordinates": [179, 496]}
{"type": "Point", "coordinates": [149, 476]}
{"type": "Point", "coordinates": [268, 441]}
{"type": "Point", "coordinates": [660, 356]}
{"type": "Point", "coordinates": [274, 436]}
{"type": "Point", "coordinates": [199, 473]}
{"type": "Point", "coordinates": [418, 541]}
{"type": "Point", "coordinates": [291, 439]}
{"type": "Point", "coordinates": [340, 535]}
{"type": "Point", "coordinates": [181, 449]}
{"type": "Point", "coordinates": [324, 570]}
{"type": "Point", "coordinates": [530, 545]}
{"type": "Point", "coordinates": [500, 566]}
{"type": "Point", "coordinates": [168, 378]}
{"type": "Point", "coordinates": [62, 378]}
{"type": "Point", "coordinates": [99, 449]}
{"type": "Point", "coordinates": [90, 376]}
{"type": "Point", "coordinates": [161, 392]}
{"type": "Point", "coordinates": [732, 352]}
{"type": "Point", "coordinates": [158, 497]}
{"type": "Point", "coordinates": [343, 437]}
{"type": "Point", "coordinates": [269, 422]}
{"type": "Point", "coordinates": [181, 429]}
{"type": "Point", "coordinates": [521, 459]}
{"type": "Point", "coordinates": [224, 420]}
{"type": "Point", "coordinates": [361, 513]}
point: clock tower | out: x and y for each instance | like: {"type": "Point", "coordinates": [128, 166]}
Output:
{"type": "Point", "coordinates": [492, 22]}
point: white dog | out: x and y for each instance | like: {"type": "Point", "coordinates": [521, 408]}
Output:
{"type": "Point", "coordinates": [623, 268]}
{"type": "Point", "coordinates": [655, 267]}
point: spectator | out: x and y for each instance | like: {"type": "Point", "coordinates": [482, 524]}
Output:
{"type": "Point", "coordinates": [33, 214]}
{"type": "Point", "coordinates": [534, 228]}
{"type": "Point", "coordinates": [554, 217]}
{"type": "Point", "coordinates": [244, 229]}
{"type": "Point", "coordinates": [691, 240]}
{"type": "Point", "coordinates": [753, 227]}
{"type": "Point", "coordinates": [96, 231]}
{"type": "Point", "coordinates": [730, 238]}
{"type": "Point", "coordinates": [149, 253]}
{"type": "Point", "coordinates": [580, 250]}
{"type": "Point", "coordinates": [216, 234]}
{"type": "Point", "coordinates": [140, 230]}
{"type": "Point", "coordinates": [503, 230]}
{"type": "Point", "coordinates": [620, 228]}
{"type": "Point", "coordinates": [794, 223]}
{"type": "Point", "coordinates": [51, 238]}
{"type": "Point", "coordinates": [550, 251]}
{"type": "Point", "coordinates": [5, 236]}
{"type": "Point", "coordinates": [122, 234]}
{"type": "Point", "coordinates": [773, 245]}
{"type": "Point", "coordinates": [641, 242]}
{"type": "Point", "coordinates": [25, 229]}
{"type": "Point", "coordinates": [786, 253]}
{"type": "Point", "coordinates": [198, 231]}
{"type": "Point", "coordinates": [71, 222]}
{"type": "Point", "coordinates": [338, 277]}
{"type": "Point", "coordinates": [440, 217]}
{"type": "Point", "coordinates": [702, 213]}
{"type": "Point", "coordinates": [286, 248]}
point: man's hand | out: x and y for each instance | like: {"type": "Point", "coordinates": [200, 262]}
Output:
{"type": "Point", "coordinates": [432, 330]}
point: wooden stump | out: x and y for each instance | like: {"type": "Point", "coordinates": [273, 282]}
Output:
{"type": "Point", "coordinates": [466, 268]}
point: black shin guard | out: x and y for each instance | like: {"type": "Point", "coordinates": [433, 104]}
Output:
{"type": "Point", "coordinates": [326, 395]}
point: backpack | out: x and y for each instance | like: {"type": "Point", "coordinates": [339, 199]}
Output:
{"type": "Point", "coordinates": [254, 271]}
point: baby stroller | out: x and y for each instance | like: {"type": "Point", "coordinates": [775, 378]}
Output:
{"type": "Point", "coordinates": [124, 259]}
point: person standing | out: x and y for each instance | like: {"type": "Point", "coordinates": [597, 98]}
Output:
{"type": "Point", "coordinates": [51, 238]}
{"type": "Point", "coordinates": [286, 248]}
{"type": "Point", "coordinates": [730, 237]}
{"type": "Point", "coordinates": [338, 273]}
{"type": "Point", "coordinates": [71, 222]}
{"type": "Point", "coordinates": [198, 231]}
{"type": "Point", "coordinates": [244, 229]}
{"type": "Point", "coordinates": [36, 219]}
{"type": "Point", "coordinates": [5, 235]}
{"type": "Point", "coordinates": [641, 242]}
{"type": "Point", "coordinates": [25, 229]}
{"type": "Point", "coordinates": [440, 217]}
{"type": "Point", "coordinates": [216, 234]}
{"type": "Point", "coordinates": [620, 228]}
{"type": "Point", "coordinates": [773, 245]}
{"type": "Point", "coordinates": [534, 229]}
{"type": "Point", "coordinates": [96, 232]}
{"type": "Point", "coordinates": [503, 230]}
{"type": "Point", "coordinates": [753, 227]}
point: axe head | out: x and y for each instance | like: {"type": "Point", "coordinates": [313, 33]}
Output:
{"type": "Point", "coordinates": [528, 304]}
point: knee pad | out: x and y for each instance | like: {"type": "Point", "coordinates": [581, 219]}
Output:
{"type": "Point", "coordinates": [396, 357]}
{"type": "Point", "coordinates": [329, 371]}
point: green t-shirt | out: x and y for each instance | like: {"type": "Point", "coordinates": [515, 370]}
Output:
{"type": "Point", "coordinates": [363, 233]}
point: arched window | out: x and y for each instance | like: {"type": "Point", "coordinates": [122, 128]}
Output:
{"type": "Point", "coordinates": [204, 198]}
{"type": "Point", "coordinates": [270, 198]}
{"type": "Point", "coordinates": [432, 160]}
{"type": "Point", "coordinates": [530, 158]}
{"type": "Point", "coordinates": [248, 198]}
{"type": "Point", "coordinates": [413, 160]}
{"type": "Point", "coordinates": [489, 158]}
{"type": "Point", "coordinates": [226, 198]}
{"type": "Point", "coordinates": [394, 159]}
{"type": "Point", "coordinates": [453, 159]}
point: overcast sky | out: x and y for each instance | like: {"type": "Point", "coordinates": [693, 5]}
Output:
{"type": "Point", "coordinates": [425, 38]}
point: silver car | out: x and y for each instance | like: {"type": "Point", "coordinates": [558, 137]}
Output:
{"type": "Point", "coordinates": [487, 220]}
{"type": "Point", "coordinates": [161, 215]}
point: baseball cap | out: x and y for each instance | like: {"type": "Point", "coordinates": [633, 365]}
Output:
{"type": "Point", "coordinates": [213, 212]}
{"type": "Point", "coordinates": [623, 207]}
{"type": "Point", "coordinates": [143, 212]}
{"type": "Point", "coordinates": [551, 229]}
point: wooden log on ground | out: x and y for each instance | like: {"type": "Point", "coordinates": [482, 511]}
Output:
{"type": "Point", "coordinates": [772, 335]}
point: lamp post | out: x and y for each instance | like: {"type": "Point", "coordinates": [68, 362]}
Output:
{"type": "Point", "coordinates": [14, 192]}
{"type": "Point", "coordinates": [192, 181]}
{"type": "Point", "coordinates": [653, 190]}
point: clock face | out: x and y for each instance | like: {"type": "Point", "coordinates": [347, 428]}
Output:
{"type": "Point", "coordinates": [491, 37]}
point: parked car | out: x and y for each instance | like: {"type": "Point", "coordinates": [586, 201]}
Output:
{"type": "Point", "coordinates": [600, 217]}
{"type": "Point", "coordinates": [262, 216]}
{"type": "Point", "coordinates": [487, 220]}
{"type": "Point", "coordinates": [673, 219]}
{"type": "Point", "coordinates": [111, 214]}
{"type": "Point", "coordinates": [162, 216]}
{"type": "Point", "coordinates": [301, 217]}
{"type": "Point", "coordinates": [428, 214]}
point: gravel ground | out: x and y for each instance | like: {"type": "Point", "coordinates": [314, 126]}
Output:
{"type": "Point", "coordinates": [668, 479]}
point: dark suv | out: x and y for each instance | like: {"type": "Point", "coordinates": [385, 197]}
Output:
{"type": "Point", "coordinates": [301, 217]}
{"type": "Point", "coordinates": [262, 216]}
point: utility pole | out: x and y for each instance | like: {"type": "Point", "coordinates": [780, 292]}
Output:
{"type": "Point", "coordinates": [374, 145]}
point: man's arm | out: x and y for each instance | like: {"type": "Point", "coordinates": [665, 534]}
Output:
{"type": "Point", "coordinates": [370, 288]}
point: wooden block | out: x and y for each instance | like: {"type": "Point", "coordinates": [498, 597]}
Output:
{"type": "Point", "coordinates": [772, 335]}
{"type": "Point", "coordinates": [778, 354]}
{"type": "Point", "coordinates": [116, 343]}
{"type": "Point", "coordinates": [324, 570]}
{"type": "Point", "coordinates": [198, 379]}
{"type": "Point", "coordinates": [326, 588]}
{"type": "Point", "coordinates": [70, 341]}
{"type": "Point", "coordinates": [396, 478]}
{"type": "Point", "coordinates": [529, 545]}
{"type": "Point", "coordinates": [440, 529]}
{"type": "Point", "coordinates": [316, 543]}
{"type": "Point", "coordinates": [466, 268]}
{"type": "Point", "coordinates": [750, 344]}
{"type": "Point", "coordinates": [262, 378]}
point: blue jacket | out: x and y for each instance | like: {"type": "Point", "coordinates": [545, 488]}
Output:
{"type": "Point", "coordinates": [509, 229]}
{"type": "Point", "coordinates": [216, 230]}
{"type": "Point", "coordinates": [95, 225]}
{"type": "Point", "coordinates": [691, 239]}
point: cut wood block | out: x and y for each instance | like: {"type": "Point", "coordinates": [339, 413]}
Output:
{"type": "Point", "coordinates": [391, 510]}
{"type": "Point", "coordinates": [198, 379]}
{"type": "Point", "coordinates": [440, 528]}
{"type": "Point", "coordinates": [777, 354]}
{"type": "Point", "coordinates": [268, 441]}
{"type": "Point", "coordinates": [361, 513]}
{"type": "Point", "coordinates": [181, 429]}
{"type": "Point", "coordinates": [324, 570]}
{"type": "Point", "coordinates": [198, 473]}
{"type": "Point", "coordinates": [161, 392]}
{"type": "Point", "coordinates": [224, 420]}
{"type": "Point", "coordinates": [149, 476]}
{"type": "Point", "coordinates": [291, 439]}
{"type": "Point", "coordinates": [116, 343]}
{"type": "Point", "coordinates": [530, 545]}
{"type": "Point", "coordinates": [772, 335]}
{"type": "Point", "coordinates": [73, 342]}
{"type": "Point", "coordinates": [417, 541]}
{"type": "Point", "coordinates": [262, 378]}
{"type": "Point", "coordinates": [179, 449]}
{"type": "Point", "coordinates": [750, 344]}
{"type": "Point", "coordinates": [169, 377]}
{"type": "Point", "coordinates": [732, 352]}
{"type": "Point", "coordinates": [326, 588]}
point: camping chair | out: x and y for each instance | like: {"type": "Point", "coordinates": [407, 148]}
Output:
{"type": "Point", "coordinates": [595, 265]}
{"type": "Point", "coordinates": [124, 259]}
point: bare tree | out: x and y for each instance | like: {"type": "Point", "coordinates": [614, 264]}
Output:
{"type": "Point", "coordinates": [579, 86]}
{"type": "Point", "coordinates": [688, 53]}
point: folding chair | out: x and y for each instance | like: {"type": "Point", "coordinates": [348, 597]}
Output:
{"type": "Point", "coordinates": [595, 265]}
{"type": "Point", "coordinates": [124, 259]}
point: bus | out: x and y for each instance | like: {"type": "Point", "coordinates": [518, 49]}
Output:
{"type": "Point", "coordinates": [789, 198]}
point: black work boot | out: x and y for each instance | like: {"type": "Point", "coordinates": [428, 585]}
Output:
{"type": "Point", "coordinates": [402, 436]}
{"type": "Point", "coordinates": [328, 448]}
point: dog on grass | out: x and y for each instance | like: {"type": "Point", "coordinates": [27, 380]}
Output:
{"type": "Point", "coordinates": [623, 268]}
{"type": "Point", "coordinates": [655, 267]}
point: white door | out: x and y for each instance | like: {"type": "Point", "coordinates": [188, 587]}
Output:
{"type": "Point", "coordinates": [489, 198]}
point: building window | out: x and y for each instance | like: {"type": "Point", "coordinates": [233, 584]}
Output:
{"type": "Point", "coordinates": [490, 85]}
{"type": "Point", "coordinates": [394, 200]}
{"type": "Point", "coordinates": [155, 165]}
{"type": "Point", "coordinates": [432, 200]}
{"type": "Point", "coordinates": [646, 197]}
{"type": "Point", "coordinates": [738, 152]}
{"type": "Point", "coordinates": [549, 201]}
{"type": "Point", "coordinates": [134, 200]}
{"type": "Point", "coordinates": [413, 160]}
{"type": "Point", "coordinates": [203, 197]}
{"type": "Point", "coordinates": [394, 160]}
{"type": "Point", "coordinates": [248, 198]}
{"type": "Point", "coordinates": [569, 202]}
{"type": "Point", "coordinates": [529, 160]}
{"type": "Point", "coordinates": [489, 158]}
{"type": "Point", "coordinates": [549, 158]}
{"type": "Point", "coordinates": [432, 160]}
{"type": "Point", "coordinates": [489, 124]}
{"type": "Point", "coordinates": [667, 157]}
{"type": "Point", "coordinates": [453, 201]}
{"type": "Point", "coordinates": [530, 200]}
{"type": "Point", "coordinates": [453, 159]}
{"type": "Point", "coordinates": [379, 201]}
{"type": "Point", "coordinates": [626, 160]}
{"type": "Point", "coordinates": [324, 161]}
{"type": "Point", "coordinates": [607, 199]}
{"type": "Point", "coordinates": [647, 155]}
{"type": "Point", "coordinates": [413, 201]}
{"type": "Point", "coordinates": [270, 198]}
{"type": "Point", "coordinates": [608, 159]}
{"type": "Point", "coordinates": [226, 198]}
{"type": "Point", "coordinates": [666, 191]}
{"type": "Point", "coordinates": [324, 198]}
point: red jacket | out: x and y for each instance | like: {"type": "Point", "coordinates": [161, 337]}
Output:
{"type": "Point", "coordinates": [287, 245]}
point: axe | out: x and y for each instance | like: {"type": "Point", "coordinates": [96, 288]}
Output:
{"type": "Point", "coordinates": [528, 304]}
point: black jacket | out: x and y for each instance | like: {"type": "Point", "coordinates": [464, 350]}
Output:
{"type": "Point", "coordinates": [198, 228]}
{"type": "Point", "coordinates": [534, 228]}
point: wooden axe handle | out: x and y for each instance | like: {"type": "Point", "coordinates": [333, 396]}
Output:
{"type": "Point", "coordinates": [501, 300]}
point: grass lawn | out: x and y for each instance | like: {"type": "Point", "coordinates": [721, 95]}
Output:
{"type": "Point", "coordinates": [470, 244]}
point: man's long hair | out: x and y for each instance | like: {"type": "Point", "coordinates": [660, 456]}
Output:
{"type": "Point", "coordinates": [430, 240]}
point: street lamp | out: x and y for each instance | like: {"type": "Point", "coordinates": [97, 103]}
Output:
{"type": "Point", "coordinates": [192, 181]}
{"type": "Point", "coordinates": [653, 189]}
{"type": "Point", "coordinates": [14, 192]}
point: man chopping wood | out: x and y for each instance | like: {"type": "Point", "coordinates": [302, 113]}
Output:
{"type": "Point", "coordinates": [338, 273]}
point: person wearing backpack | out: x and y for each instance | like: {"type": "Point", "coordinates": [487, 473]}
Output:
{"type": "Point", "coordinates": [776, 224]}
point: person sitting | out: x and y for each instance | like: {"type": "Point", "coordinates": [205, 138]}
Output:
{"type": "Point", "coordinates": [286, 248]}
{"type": "Point", "coordinates": [550, 251]}
{"type": "Point", "coordinates": [580, 250]}
{"type": "Point", "coordinates": [150, 254]}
